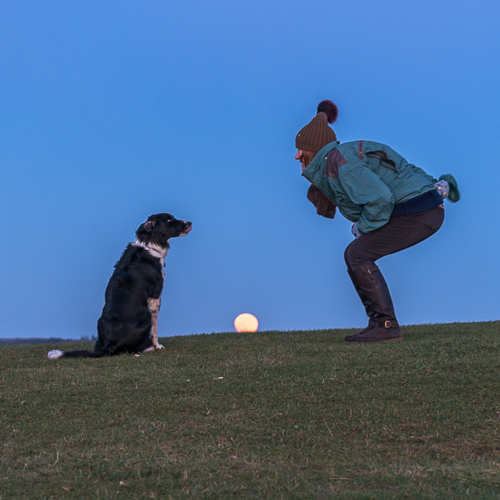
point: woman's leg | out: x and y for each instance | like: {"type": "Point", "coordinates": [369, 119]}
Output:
{"type": "Point", "coordinates": [360, 256]}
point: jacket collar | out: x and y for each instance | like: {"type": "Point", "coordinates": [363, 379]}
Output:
{"type": "Point", "coordinates": [320, 156]}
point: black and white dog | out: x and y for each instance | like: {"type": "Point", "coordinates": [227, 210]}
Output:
{"type": "Point", "coordinates": [129, 320]}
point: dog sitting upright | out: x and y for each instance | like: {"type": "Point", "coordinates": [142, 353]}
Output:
{"type": "Point", "coordinates": [129, 320]}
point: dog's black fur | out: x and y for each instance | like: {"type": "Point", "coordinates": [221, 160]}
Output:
{"type": "Point", "coordinates": [132, 299]}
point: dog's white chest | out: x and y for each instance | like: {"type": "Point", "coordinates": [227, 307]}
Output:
{"type": "Point", "coordinates": [162, 263]}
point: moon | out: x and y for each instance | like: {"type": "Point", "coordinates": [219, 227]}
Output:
{"type": "Point", "coordinates": [246, 322]}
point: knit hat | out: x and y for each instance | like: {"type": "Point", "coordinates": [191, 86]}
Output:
{"type": "Point", "coordinates": [317, 133]}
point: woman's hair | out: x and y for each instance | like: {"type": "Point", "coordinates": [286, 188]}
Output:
{"type": "Point", "coordinates": [307, 157]}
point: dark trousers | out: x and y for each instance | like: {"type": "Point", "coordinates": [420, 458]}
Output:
{"type": "Point", "coordinates": [399, 233]}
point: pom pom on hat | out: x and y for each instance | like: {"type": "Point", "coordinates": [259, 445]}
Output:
{"type": "Point", "coordinates": [330, 109]}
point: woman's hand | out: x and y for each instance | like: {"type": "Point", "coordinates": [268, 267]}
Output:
{"type": "Point", "coordinates": [443, 188]}
{"type": "Point", "coordinates": [355, 231]}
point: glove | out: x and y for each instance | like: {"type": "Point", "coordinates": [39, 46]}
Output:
{"type": "Point", "coordinates": [443, 188]}
{"type": "Point", "coordinates": [355, 231]}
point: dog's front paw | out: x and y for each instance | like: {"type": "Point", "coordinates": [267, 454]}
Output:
{"type": "Point", "coordinates": [149, 349]}
{"type": "Point", "coordinates": [159, 346]}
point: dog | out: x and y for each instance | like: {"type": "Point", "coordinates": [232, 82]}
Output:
{"type": "Point", "coordinates": [129, 319]}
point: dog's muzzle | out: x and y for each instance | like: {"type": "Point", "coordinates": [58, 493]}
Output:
{"type": "Point", "coordinates": [188, 226]}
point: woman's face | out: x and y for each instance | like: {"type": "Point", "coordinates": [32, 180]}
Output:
{"type": "Point", "coordinates": [299, 156]}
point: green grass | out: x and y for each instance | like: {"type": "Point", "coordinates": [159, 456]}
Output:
{"type": "Point", "coordinates": [263, 415]}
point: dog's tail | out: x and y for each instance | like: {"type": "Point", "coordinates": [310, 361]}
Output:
{"type": "Point", "coordinates": [75, 354]}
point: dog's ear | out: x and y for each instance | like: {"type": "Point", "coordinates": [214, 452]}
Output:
{"type": "Point", "coordinates": [149, 225]}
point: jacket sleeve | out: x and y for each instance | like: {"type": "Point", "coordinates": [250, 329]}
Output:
{"type": "Point", "coordinates": [367, 189]}
{"type": "Point", "coordinates": [419, 171]}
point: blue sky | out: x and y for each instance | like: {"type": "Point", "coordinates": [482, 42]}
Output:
{"type": "Point", "coordinates": [113, 110]}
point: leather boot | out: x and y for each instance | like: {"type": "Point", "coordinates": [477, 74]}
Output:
{"type": "Point", "coordinates": [371, 326]}
{"type": "Point", "coordinates": [369, 311]}
{"type": "Point", "coordinates": [377, 300]}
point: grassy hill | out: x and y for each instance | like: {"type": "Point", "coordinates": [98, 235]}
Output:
{"type": "Point", "coordinates": [265, 415]}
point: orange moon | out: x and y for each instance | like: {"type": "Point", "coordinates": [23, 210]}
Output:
{"type": "Point", "coordinates": [246, 322]}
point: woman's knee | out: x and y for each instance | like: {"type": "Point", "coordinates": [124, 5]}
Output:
{"type": "Point", "coordinates": [351, 256]}
{"type": "Point", "coordinates": [347, 256]}
{"type": "Point", "coordinates": [355, 256]}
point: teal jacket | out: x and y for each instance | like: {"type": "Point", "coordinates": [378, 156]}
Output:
{"type": "Point", "coordinates": [365, 180]}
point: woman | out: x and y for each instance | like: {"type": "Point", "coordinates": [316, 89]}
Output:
{"type": "Point", "coordinates": [392, 203]}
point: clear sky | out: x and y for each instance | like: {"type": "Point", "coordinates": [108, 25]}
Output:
{"type": "Point", "coordinates": [113, 110]}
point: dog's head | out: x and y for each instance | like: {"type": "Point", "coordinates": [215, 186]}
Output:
{"type": "Point", "coordinates": [159, 228]}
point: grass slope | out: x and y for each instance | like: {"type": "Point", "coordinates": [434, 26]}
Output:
{"type": "Point", "coordinates": [263, 415]}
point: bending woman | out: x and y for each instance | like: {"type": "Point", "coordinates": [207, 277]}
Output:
{"type": "Point", "coordinates": [392, 203]}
